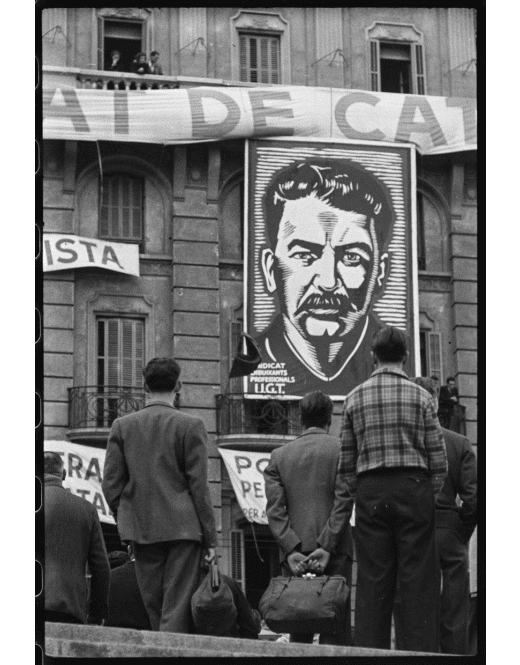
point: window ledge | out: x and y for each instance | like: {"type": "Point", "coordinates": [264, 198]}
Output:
{"type": "Point", "coordinates": [437, 274]}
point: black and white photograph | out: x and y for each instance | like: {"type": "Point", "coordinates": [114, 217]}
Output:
{"type": "Point", "coordinates": [257, 247]}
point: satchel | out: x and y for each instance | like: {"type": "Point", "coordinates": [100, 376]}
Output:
{"type": "Point", "coordinates": [305, 604]}
{"type": "Point", "coordinates": [212, 606]}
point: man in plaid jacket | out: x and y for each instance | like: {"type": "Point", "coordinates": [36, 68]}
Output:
{"type": "Point", "coordinates": [393, 459]}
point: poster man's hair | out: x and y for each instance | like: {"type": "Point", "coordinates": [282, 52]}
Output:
{"type": "Point", "coordinates": [341, 184]}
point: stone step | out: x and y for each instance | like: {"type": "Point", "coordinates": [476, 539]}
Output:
{"type": "Point", "coordinates": [72, 640]}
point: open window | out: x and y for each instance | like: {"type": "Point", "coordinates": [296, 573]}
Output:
{"type": "Point", "coordinates": [396, 59]}
{"type": "Point", "coordinates": [260, 58]}
{"type": "Point", "coordinates": [126, 36]}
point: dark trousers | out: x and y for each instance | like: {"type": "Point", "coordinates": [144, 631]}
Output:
{"type": "Point", "coordinates": [455, 599]}
{"type": "Point", "coordinates": [339, 564]}
{"type": "Point", "coordinates": [395, 544]}
{"type": "Point", "coordinates": [168, 576]}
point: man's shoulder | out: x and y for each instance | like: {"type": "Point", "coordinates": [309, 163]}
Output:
{"type": "Point", "coordinates": [456, 440]}
{"type": "Point", "coordinates": [77, 503]}
{"type": "Point", "coordinates": [152, 411]}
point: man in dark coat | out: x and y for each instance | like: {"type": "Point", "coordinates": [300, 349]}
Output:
{"type": "Point", "coordinates": [125, 604]}
{"type": "Point", "coordinates": [454, 526]}
{"type": "Point", "coordinates": [73, 539]}
{"type": "Point", "coordinates": [309, 506]}
{"type": "Point", "coordinates": [155, 482]}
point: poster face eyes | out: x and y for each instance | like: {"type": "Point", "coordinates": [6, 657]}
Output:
{"type": "Point", "coordinates": [330, 260]}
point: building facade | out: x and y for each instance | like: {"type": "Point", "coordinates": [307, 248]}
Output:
{"type": "Point", "coordinates": [182, 206]}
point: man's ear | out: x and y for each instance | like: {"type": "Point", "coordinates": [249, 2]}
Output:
{"type": "Point", "coordinates": [268, 268]}
{"type": "Point", "coordinates": [63, 475]}
{"type": "Point", "coordinates": [405, 358]}
{"type": "Point", "coordinates": [375, 361]}
{"type": "Point", "coordinates": [146, 389]}
{"type": "Point", "coordinates": [178, 386]}
{"type": "Point", "coordinates": [383, 265]}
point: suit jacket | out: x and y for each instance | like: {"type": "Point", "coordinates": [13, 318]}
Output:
{"type": "Point", "coordinates": [445, 395]}
{"type": "Point", "coordinates": [308, 504]}
{"type": "Point", "coordinates": [462, 481]}
{"type": "Point", "coordinates": [125, 604]}
{"type": "Point", "coordinates": [155, 478]}
{"type": "Point", "coordinates": [73, 538]}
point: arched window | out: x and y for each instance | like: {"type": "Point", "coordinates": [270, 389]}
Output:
{"type": "Point", "coordinates": [121, 209]}
{"type": "Point", "coordinates": [432, 229]}
{"type": "Point", "coordinates": [231, 219]}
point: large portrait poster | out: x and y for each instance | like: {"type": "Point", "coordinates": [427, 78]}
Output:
{"type": "Point", "coordinates": [330, 258]}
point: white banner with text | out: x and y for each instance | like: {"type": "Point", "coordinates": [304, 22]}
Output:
{"type": "Point", "coordinates": [62, 251]}
{"type": "Point", "coordinates": [246, 473]}
{"type": "Point", "coordinates": [83, 468]}
{"type": "Point", "coordinates": [435, 125]}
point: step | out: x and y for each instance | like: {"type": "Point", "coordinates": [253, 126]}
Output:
{"type": "Point", "coordinates": [73, 640]}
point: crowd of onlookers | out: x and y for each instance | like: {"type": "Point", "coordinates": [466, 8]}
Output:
{"type": "Point", "coordinates": [412, 482]}
{"type": "Point", "coordinates": [141, 64]}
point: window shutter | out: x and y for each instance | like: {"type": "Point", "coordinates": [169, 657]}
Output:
{"type": "Point", "coordinates": [275, 61]}
{"type": "Point", "coordinates": [237, 557]}
{"type": "Point", "coordinates": [243, 58]}
{"type": "Point", "coordinates": [374, 65]}
{"type": "Point", "coordinates": [419, 70]}
{"type": "Point", "coordinates": [421, 245]}
{"type": "Point", "coordinates": [434, 354]}
{"type": "Point", "coordinates": [100, 43]}
{"type": "Point", "coordinates": [112, 352]}
{"type": "Point", "coordinates": [121, 211]}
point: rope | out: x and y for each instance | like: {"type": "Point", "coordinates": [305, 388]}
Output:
{"type": "Point", "coordinates": [256, 544]}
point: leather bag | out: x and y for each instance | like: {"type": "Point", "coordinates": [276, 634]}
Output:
{"type": "Point", "coordinates": [305, 604]}
{"type": "Point", "coordinates": [212, 606]}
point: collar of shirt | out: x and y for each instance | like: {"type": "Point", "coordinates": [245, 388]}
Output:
{"type": "Point", "coordinates": [314, 430]}
{"type": "Point", "coordinates": [163, 402]}
{"type": "Point", "coordinates": [390, 370]}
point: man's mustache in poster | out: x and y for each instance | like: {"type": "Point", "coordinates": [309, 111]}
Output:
{"type": "Point", "coordinates": [335, 302]}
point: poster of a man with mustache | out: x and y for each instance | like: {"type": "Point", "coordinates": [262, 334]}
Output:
{"type": "Point", "coordinates": [322, 235]}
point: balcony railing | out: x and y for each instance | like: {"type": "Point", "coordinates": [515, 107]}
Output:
{"type": "Point", "coordinates": [238, 415]}
{"type": "Point", "coordinates": [101, 80]}
{"type": "Point", "coordinates": [98, 406]}
{"type": "Point", "coordinates": [453, 416]}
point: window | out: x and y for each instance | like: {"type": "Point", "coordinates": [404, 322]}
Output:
{"type": "Point", "coordinates": [259, 58]}
{"type": "Point", "coordinates": [127, 37]}
{"type": "Point", "coordinates": [430, 350]}
{"type": "Point", "coordinates": [260, 47]}
{"type": "Point", "coordinates": [121, 210]}
{"type": "Point", "coordinates": [396, 60]}
{"type": "Point", "coordinates": [231, 220]}
{"type": "Point", "coordinates": [120, 352]}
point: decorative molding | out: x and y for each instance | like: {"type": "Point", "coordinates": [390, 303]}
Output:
{"type": "Point", "coordinates": [394, 32]}
{"type": "Point", "coordinates": [120, 305]}
{"type": "Point", "coordinates": [132, 13]}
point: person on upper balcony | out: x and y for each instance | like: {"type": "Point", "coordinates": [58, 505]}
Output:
{"type": "Point", "coordinates": [114, 63]}
{"type": "Point", "coordinates": [140, 64]}
{"type": "Point", "coordinates": [449, 393]}
{"type": "Point", "coordinates": [155, 67]}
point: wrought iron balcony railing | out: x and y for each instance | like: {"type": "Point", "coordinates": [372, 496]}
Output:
{"type": "Point", "coordinates": [99, 406]}
{"type": "Point", "coordinates": [453, 416]}
{"type": "Point", "coordinates": [238, 415]}
{"type": "Point", "coordinates": [101, 80]}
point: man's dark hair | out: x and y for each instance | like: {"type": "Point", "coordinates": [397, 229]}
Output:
{"type": "Point", "coordinates": [434, 377]}
{"type": "Point", "coordinates": [389, 344]}
{"type": "Point", "coordinates": [450, 378]}
{"type": "Point", "coordinates": [154, 53]}
{"type": "Point", "coordinates": [343, 185]}
{"type": "Point", "coordinates": [316, 409]}
{"type": "Point", "coordinates": [161, 374]}
{"type": "Point", "coordinates": [52, 463]}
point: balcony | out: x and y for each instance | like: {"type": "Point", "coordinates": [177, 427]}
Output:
{"type": "Point", "coordinates": [93, 409]}
{"type": "Point", "coordinates": [58, 77]}
{"type": "Point", "coordinates": [255, 424]}
{"type": "Point", "coordinates": [453, 416]}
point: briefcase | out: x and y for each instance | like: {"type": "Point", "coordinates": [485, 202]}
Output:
{"type": "Point", "coordinates": [305, 604]}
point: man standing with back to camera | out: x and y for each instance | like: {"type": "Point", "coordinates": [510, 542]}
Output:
{"type": "Point", "coordinates": [309, 507]}
{"type": "Point", "coordinates": [155, 482]}
{"type": "Point", "coordinates": [393, 459]}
